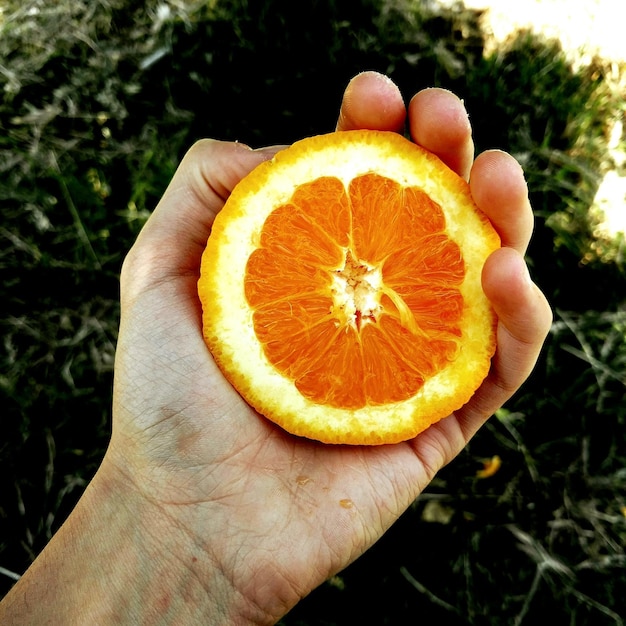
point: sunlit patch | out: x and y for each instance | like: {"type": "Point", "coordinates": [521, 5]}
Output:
{"type": "Point", "coordinates": [584, 27]}
{"type": "Point", "coordinates": [608, 211]}
{"type": "Point", "coordinates": [609, 206]}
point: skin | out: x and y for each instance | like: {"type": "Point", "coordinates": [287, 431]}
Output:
{"type": "Point", "coordinates": [204, 512]}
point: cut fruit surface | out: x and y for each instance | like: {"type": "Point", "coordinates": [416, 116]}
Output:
{"type": "Point", "coordinates": [341, 289]}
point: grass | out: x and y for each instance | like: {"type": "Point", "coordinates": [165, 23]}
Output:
{"type": "Point", "coordinates": [100, 100]}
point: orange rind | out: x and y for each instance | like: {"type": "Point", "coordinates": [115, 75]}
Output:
{"type": "Point", "coordinates": [341, 289]}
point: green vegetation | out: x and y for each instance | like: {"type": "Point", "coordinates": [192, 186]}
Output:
{"type": "Point", "coordinates": [100, 99]}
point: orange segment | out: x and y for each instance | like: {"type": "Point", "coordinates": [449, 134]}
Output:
{"type": "Point", "coordinates": [387, 216]}
{"type": "Point", "coordinates": [325, 204]}
{"type": "Point", "coordinates": [341, 289]}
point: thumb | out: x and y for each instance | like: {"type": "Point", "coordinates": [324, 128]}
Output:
{"type": "Point", "coordinates": [170, 244]}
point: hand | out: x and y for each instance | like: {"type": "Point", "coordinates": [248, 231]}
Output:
{"type": "Point", "coordinates": [203, 511]}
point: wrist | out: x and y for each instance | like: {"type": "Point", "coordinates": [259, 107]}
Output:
{"type": "Point", "coordinates": [121, 559]}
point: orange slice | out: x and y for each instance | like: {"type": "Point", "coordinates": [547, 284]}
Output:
{"type": "Point", "coordinates": [341, 289]}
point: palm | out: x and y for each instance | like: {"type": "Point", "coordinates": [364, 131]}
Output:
{"type": "Point", "coordinates": [204, 445]}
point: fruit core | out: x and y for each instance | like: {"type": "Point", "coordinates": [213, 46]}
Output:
{"type": "Point", "coordinates": [356, 291]}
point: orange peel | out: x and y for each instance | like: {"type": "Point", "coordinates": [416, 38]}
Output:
{"type": "Point", "coordinates": [341, 289]}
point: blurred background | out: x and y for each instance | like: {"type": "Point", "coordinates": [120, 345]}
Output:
{"type": "Point", "coordinates": [99, 101]}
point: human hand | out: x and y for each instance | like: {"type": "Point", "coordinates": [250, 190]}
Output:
{"type": "Point", "coordinates": [296, 511]}
{"type": "Point", "coordinates": [207, 512]}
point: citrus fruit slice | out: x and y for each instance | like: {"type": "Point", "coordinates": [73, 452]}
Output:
{"type": "Point", "coordinates": [341, 289]}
